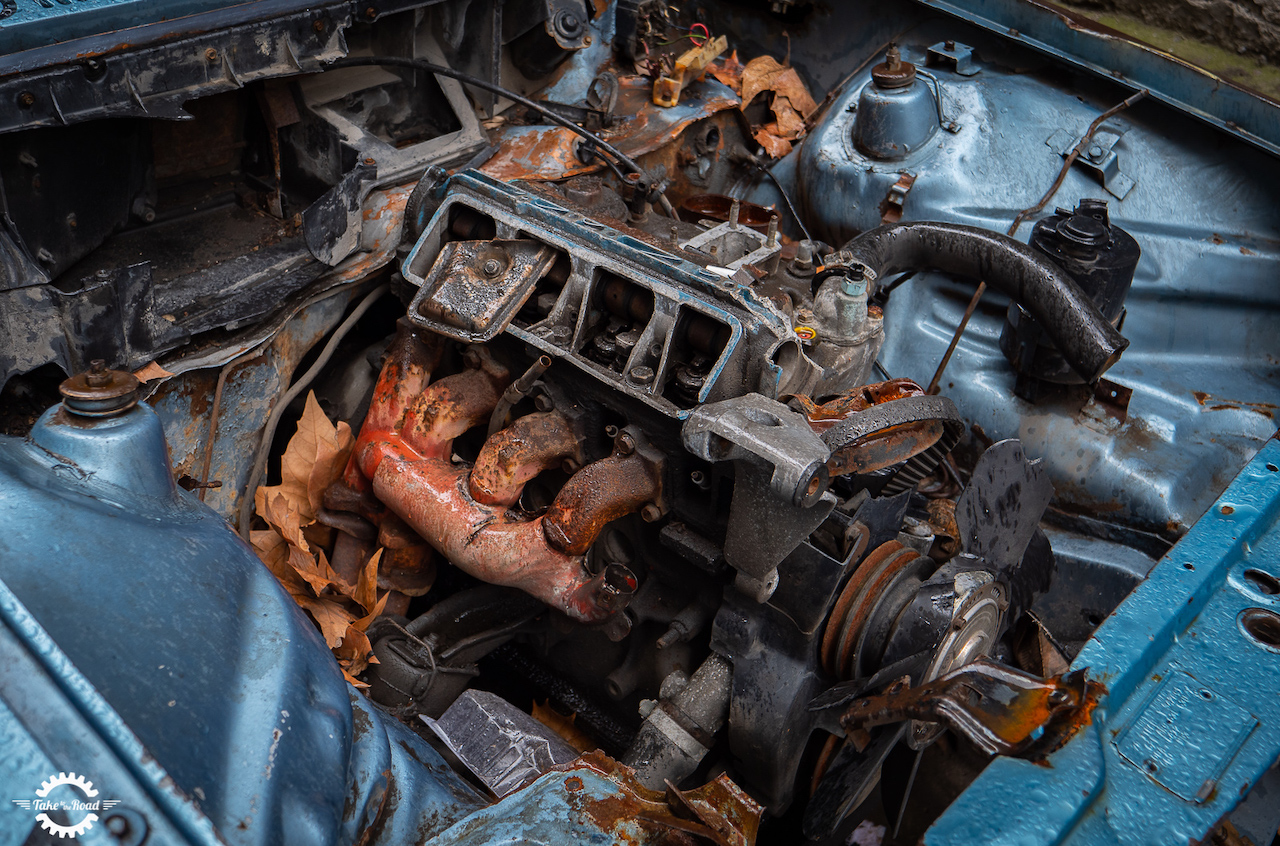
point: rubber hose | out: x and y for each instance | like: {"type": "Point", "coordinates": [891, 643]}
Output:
{"type": "Point", "coordinates": [1088, 342]}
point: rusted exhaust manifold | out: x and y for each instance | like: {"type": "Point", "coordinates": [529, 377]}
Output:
{"type": "Point", "coordinates": [405, 447]}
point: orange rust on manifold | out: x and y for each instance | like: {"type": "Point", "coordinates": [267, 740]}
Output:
{"type": "Point", "coordinates": [598, 494]}
{"type": "Point", "coordinates": [513, 456]}
{"type": "Point", "coordinates": [404, 448]}
{"type": "Point", "coordinates": [452, 406]}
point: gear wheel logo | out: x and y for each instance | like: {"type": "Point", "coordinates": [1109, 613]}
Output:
{"type": "Point", "coordinates": [84, 810]}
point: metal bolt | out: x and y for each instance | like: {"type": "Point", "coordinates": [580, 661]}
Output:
{"type": "Point", "coordinates": [626, 444]}
{"type": "Point", "coordinates": [949, 45]}
{"type": "Point", "coordinates": [735, 209]}
{"type": "Point", "coordinates": [698, 478]}
{"type": "Point", "coordinates": [370, 160]}
{"type": "Point", "coordinates": [26, 99]}
{"type": "Point", "coordinates": [650, 513]}
{"type": "Point", "coordinates": [211, 55]}
{"type": "Point", "coordinates": [641, 374]}
{"type": "Point", "coordinates": [542, 402]}
{"type": "Point", "coordinates": [491, 267]}
{"type": "Point", "coordinates": [318, 26]}
{"type": "Point", "coordinates": [1095, 151]}
{"type": "Point", "coordinates": [773, 232]}
{"type": "Point", "coordinates": [370, 13]}
{"type": "Point", "coordinates": [97, 375]}
{"type": "Point", "coordinates": [118, 825]}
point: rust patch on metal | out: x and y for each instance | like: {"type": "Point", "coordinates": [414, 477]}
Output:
{"type": "Point", "coordinates": [719, 811]}
{"type": "Point", "coordinates": [1213, 403]}
{"type": "Point", "coordinates": [1001, 710]}
{"type": "Point", "coordinates": [513, 456]}
{"type": "Point", "coordinates": [598, 494]}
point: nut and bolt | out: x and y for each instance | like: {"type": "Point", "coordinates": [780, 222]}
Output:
{"type": "Point", "coordinates": [97, 376]}
{"type": "Point", "coordinates": [949, 45]}
{"type": "Point", "coordinates": [26, 99]}
{"type": "Point", "coordinates": [542, 402]}
{"type": "Point", "coordinates": [735, 211]}
{"type": "Point", "coordinates": [211, 55]}
{"type": "Point", "coordinates": [650, 513]}
{"type": "Point", "coordinates": [491, 267]}
{"type": "Point", "coordinates": [772, 234]}
{"type": "Point", "coordinates": [626, 444]}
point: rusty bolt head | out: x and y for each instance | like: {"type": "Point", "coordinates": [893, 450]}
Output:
{"type": "Point", "coordinates": [26, 99]}
{"type": "Point", "coordinates": [98, 374]}
{"type": "Point", "coordinates": [318, 26]}
{"type": "Point", "coordinates": [211, 55]}
{"type": "Point", "coordinates": [542, 402]}
{"type": "Point", "coordinates": [491, 268]}
{"type": "Point", "coordinates": [650, 513]}
{"type": "Point", "coordinates": [893, 72]}
{"type": "Point", "coordinates": [626, 444]}
{"type": "Point", "coordinates": [370, 13]}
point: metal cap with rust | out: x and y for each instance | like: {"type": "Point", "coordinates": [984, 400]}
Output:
{"type": "Point", "coordinates": [99, 392]}
{"type": "Point", "coordinates": [893, 72]}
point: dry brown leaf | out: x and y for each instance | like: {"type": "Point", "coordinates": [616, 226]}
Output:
{"type": "Point", "coordinates": [281, 513]}
{"type": "Point", "coordinates": [333, 618]}
{"type": "Point", "coordinates": [563, 726]}
{"type": "Point", "coordinates": [366, 587]}
{"type": "Point", "coordinates": [729, 72]}
{"type": "Point", "coordinates": [314, 459]}
{"type": "Point", "coordinates": [790, 125]}
{"type": "Point", "coordinates": [758, 76]}
{"type": "Point", "coordinates": [353, 681]}
{"type": "Point", "coordinates": [355, 652]}
{"type": "Point", "coordinates": [151, 372]}
{"type": "Point", "coordinates": [788, 85]}
{"type": "Point", "coordinates": [774, 146]}
{"type": "Point", "coordinates": [270, 546]}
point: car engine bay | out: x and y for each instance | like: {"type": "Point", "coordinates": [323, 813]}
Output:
{"type": "Point", "coordinates": [626, 421]}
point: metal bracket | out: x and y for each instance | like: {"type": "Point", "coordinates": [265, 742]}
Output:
{"type": "Point", "coordinates": [1098, 158]}
{"type": "Point", "coordinates": [959, 56]}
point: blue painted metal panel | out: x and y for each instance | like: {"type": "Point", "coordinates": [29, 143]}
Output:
{"type": "Point", "coordinates": [1204, 213]}
{"type": "Point", "coordinates": [163, 616]}
{"type": "Point", "coordinates": [1191, 720]}
{"type": "Point", "coordinates": [1077, 41]}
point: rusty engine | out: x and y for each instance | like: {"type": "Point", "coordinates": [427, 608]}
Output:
{"type": "Point", "coordinates": [620, 496]}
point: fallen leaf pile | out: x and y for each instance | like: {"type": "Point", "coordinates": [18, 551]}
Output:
{"type": "Point", "coordinates": [293, 545]}
{"type": "Point", "coordinates": [791, 103]}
